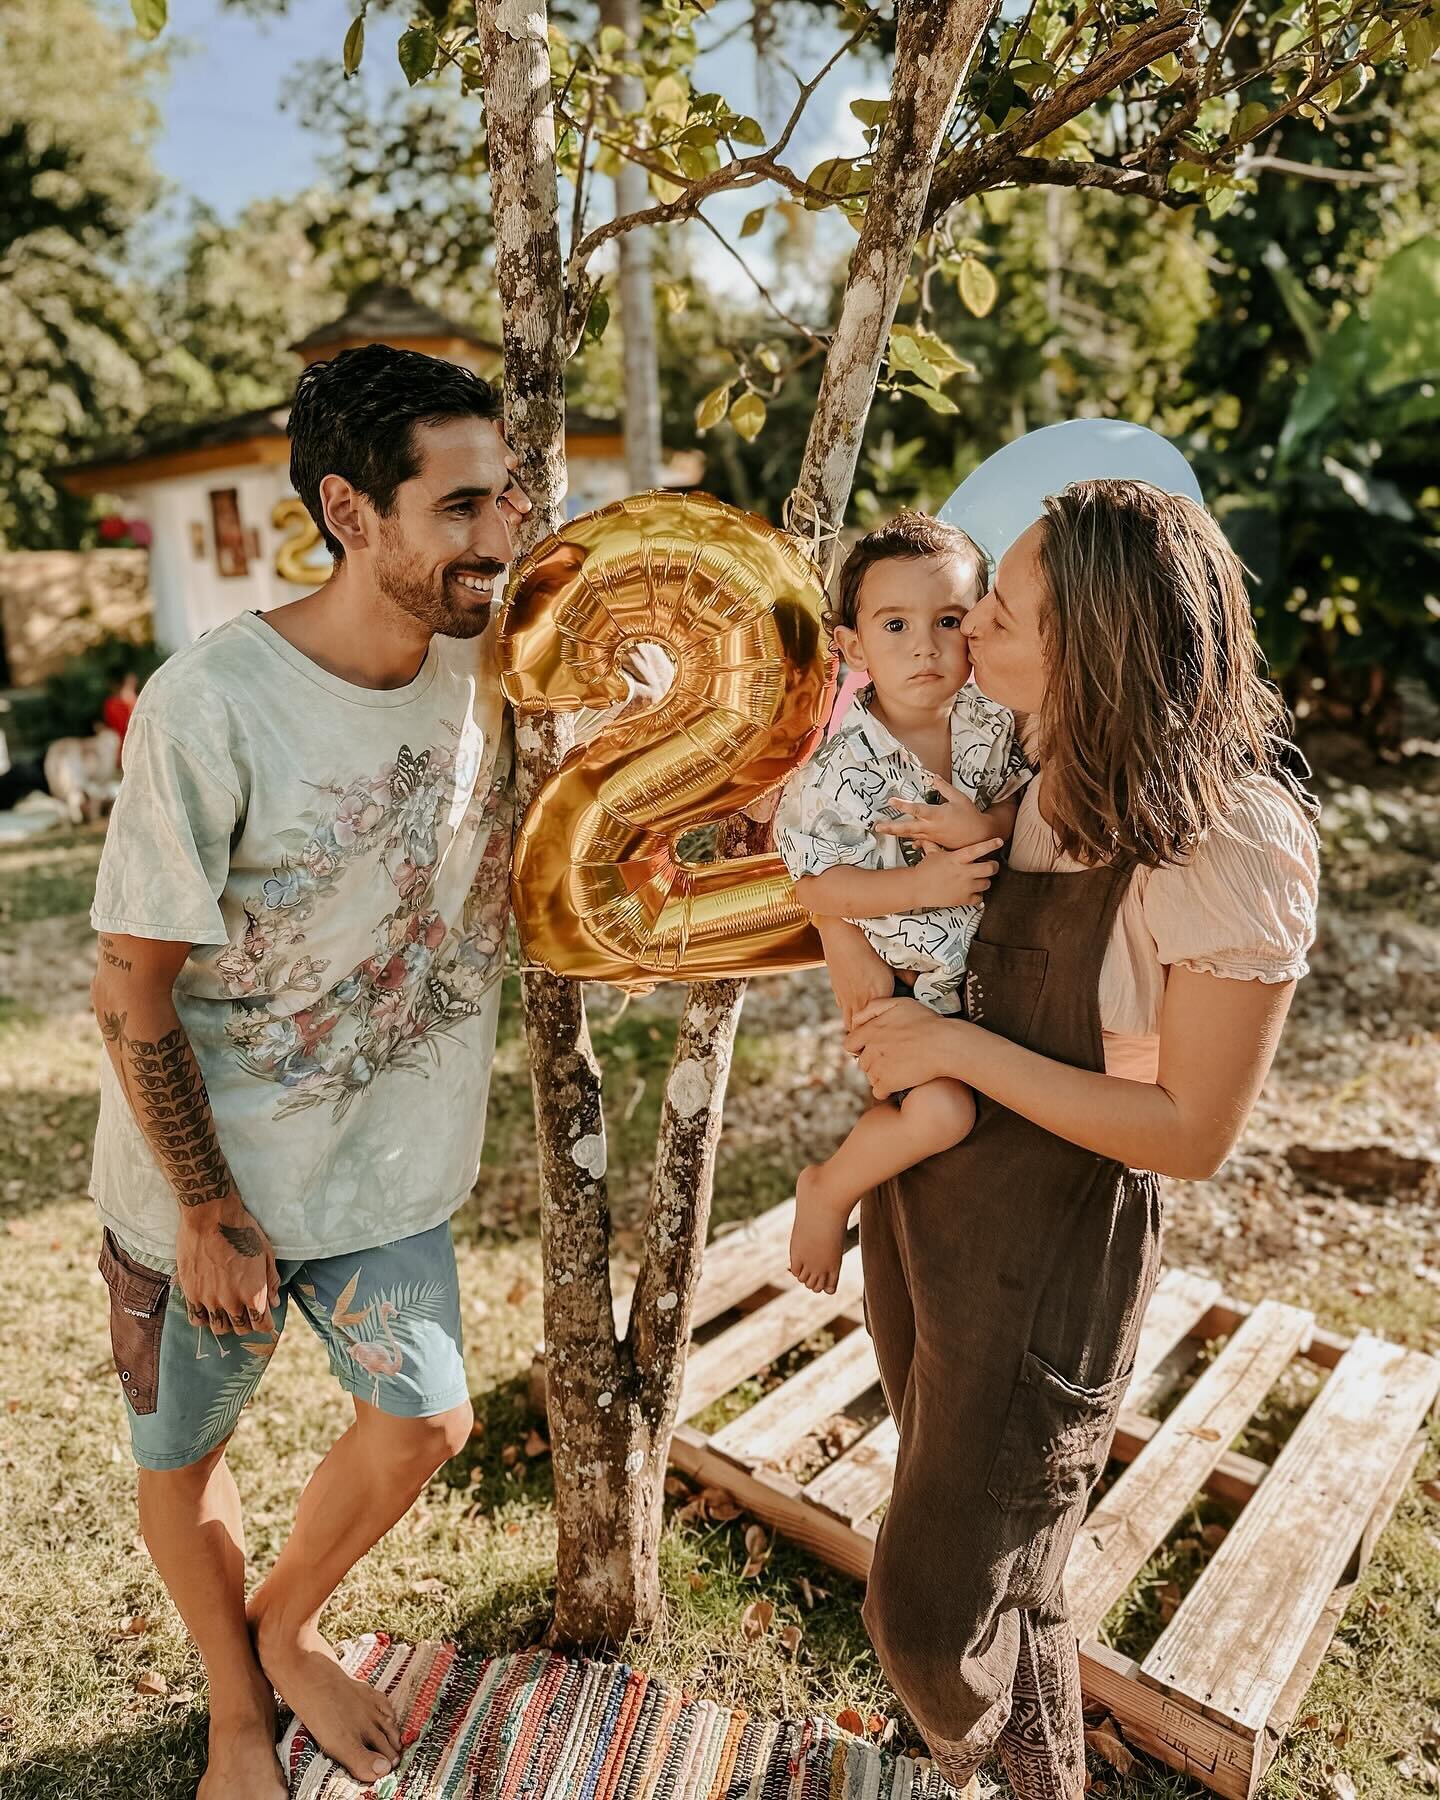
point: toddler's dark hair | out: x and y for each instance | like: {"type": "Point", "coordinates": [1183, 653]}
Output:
{"type": "Point", "coordinates": [907, 535]}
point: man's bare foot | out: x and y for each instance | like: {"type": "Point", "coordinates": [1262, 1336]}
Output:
{"type": "Point", "coordinates": [243, 1764]}
{"type": "Point", "coordinates": [348, 1719]}
{"type": "Point", "coordinates": [817, 1239]}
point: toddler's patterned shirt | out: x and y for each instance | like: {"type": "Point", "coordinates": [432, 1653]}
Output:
{"type": "Point", "coordinates": [827, 815]}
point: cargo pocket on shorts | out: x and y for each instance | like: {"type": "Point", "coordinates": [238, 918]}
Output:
{"type": "Point", "coordinates": [1054, 1441]}
{"type": "Point", "coordinates": [137, 1320]}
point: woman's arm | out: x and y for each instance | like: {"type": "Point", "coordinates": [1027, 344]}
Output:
{"type": "Point", "coordinates": [1217, 1041]}
{"type": "Point", "coordinates": [944, 878]}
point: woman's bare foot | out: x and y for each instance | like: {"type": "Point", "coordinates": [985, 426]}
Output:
{"type": "Point", "coordinates": [348, 1719]}
{"type": "Point", "coordinates": [817, 1239]}
{"type": "Point", "coordinates": [242, 1763]}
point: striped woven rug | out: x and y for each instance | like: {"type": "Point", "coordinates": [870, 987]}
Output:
{"type": "Point", "coordinates": [536, 1726]}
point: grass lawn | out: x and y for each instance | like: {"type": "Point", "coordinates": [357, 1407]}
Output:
{"type": "Point", "coordinates": [82, 1615]}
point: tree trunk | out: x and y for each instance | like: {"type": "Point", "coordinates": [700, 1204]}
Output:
{"type": "Point", "coordinates": [637, 283]}
{"type": "Point", "coordinates": [606, 1553]}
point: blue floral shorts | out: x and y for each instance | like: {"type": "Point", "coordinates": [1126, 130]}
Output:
{"type": "Point", "coordinates": [388, 1316]}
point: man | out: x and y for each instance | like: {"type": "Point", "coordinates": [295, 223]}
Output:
{"type": "Point", "coordinates": [302, 909]}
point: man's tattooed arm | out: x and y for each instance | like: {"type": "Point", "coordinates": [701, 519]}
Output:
{"type": "Point", "coordinates": [166, 1091]}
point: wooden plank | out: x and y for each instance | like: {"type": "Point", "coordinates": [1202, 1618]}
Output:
{"type": "Point", "coordinates": [779, 1501]}
{"type": "Point", "coordinates": [860, 1480]}
{"type": "Point", "coordinates": [1181, 1299]}
{"type": "Point", "coordinates": [744, 1259]}
{"type": "Point", "coordinates": [1243, 1626]}
{"type": "Point", "coordinates": [1133, 1518]}
{"type": "Point", "coordinates": [1169, 1727]}
{"type": "Point", "coordinates": [754, 1342]}
{"type": "Point", "coordinates": [1226, 1317]}
{"type": "Point", "coordinates": [824, 1387]}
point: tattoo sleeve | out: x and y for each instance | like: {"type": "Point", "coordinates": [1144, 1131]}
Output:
{"type": "Point", "coordinates": [166, 1091]}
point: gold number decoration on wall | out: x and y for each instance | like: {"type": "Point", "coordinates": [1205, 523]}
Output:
{"type": "Point", "coordinates": [600, 892]}
{"type": "Point", "coordinates": [292, 557]}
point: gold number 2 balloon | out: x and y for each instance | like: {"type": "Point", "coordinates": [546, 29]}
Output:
{"type": "Point", "coordinates": [737, 606]}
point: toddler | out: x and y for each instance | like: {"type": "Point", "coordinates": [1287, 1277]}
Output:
{"type": "Point", "coordinates": [904, 593]}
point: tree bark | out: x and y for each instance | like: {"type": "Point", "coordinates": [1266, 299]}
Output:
{"type": "Point", "coordinates": [606, 1561]}
{"type": "Point", "coordinates": [637, 284]}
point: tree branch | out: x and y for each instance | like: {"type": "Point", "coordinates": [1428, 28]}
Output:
{"type": "Point", "coordinates": [1048, 171]}
{"type": "Point", "coordinates": [969, 170]}
{"type": "Point", "coordinates": [760, 287]}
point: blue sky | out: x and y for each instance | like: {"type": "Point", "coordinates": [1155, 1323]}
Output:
{"type": "Point", "coordinates": [226, 139]}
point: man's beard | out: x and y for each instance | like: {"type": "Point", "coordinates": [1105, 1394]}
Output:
{"type": "Point", "coordinates": [430, 598]}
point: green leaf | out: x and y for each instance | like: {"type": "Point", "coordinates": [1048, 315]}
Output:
{"type": "Point", "coordinates": [597, 318]}
{"type": "Point", "coordinates": [150, 16]}
{"type": "Point", "coordinates": [906, 354]}
{"type": "Point", "coordinates": [753, 221]}
{"type": "Point", "coordinates": [934, 349]}
{"type": "Point", "coordinates": [768, 358]}
{"type": "Point", "coordinates": [1220, 200]}
{"type": "Point", "coordinates": [676, 296]}
{"type": "Point", "coordinates": [870, 112]}
{"type": "Point", "coordinates": [418, 49]}
{"type": "Point", "coordinates": [746, 130]}
{"type": "Point", "coordinates": [1249, 118]}
{"type": "Point", "coordinates": [936, 401]}
{"type": "Point", "coordinates": [354, 44]}
{"type": "Point", "coordinates": [747, 415]}
{"type": "Point", "coordinates": [832, 176]}
{"type": "Point", "coordinates": [978, 287]}
{"type": "Point", "coordinates": [612, 40]}
{"type": "Point", "coordinates": [713, 407]}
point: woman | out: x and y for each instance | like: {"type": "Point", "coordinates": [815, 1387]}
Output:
{"type": "Point", "coordinates": [1124, 999]}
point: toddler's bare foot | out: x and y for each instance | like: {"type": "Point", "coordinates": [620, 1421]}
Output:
{"type": "Point", "coordinates": [348, 1719]}
{"type": "Point", "coordinates": [817, 1240]}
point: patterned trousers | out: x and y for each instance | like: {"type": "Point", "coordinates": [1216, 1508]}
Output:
{"type": "Point", "coordinates": [1037, 1728]}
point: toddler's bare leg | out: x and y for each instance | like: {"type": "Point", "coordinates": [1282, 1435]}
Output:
{"type": "Point", "coordinates": [887, 1139]}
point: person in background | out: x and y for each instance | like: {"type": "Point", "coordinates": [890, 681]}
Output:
{"type": "Point", "coordinates": [119, 705]}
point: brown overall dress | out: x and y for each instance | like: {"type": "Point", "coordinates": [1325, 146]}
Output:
{"type": "Point", "coordinates": [1005, 1282]}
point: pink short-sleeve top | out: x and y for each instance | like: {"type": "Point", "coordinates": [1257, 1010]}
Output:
{"type": "Point", "coordinates": [1242, 907]}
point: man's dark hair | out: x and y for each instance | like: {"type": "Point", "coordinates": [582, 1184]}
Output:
{"type": "Point", "coordinates": [356, 414]}
{"type": "Point", "coordinates": [907, 535]}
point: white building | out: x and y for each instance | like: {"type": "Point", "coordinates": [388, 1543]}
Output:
{"type": "Point", "coordinates": [230, 535]}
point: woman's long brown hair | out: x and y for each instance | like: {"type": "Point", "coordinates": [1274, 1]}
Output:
{"type": "Point", "coordinates": [1156, 705]}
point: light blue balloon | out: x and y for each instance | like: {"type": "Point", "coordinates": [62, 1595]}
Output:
{"type": "Point", "coordinates": [1007, 493]}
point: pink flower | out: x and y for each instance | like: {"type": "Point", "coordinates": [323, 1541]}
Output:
{"type": "Point", "coordinates": [140, 534]}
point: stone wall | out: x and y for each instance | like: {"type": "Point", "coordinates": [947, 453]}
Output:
{"type": "Point", "coordinates": [56, 603]}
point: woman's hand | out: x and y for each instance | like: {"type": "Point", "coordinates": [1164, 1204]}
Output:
{"type": "Point", "coordinates": [957, 823]}
{"type": "Point", "coordinates": [858, 975]}
{"type": "Point", "coordinates": [955, 877]}
{"type": "Point", "coordinates": [900, 1044]}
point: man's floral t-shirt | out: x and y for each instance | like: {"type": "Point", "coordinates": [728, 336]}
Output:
{"type": "Point", "coordinates": [339, 857]}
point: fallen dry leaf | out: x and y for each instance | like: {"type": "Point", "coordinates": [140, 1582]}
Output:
{"type": "Point", "coordinates": [1432, 1489]}
{"type": "Point", "coordinates": [698, 1582]}
{"type": "Point", "coordinates": [1214, 1535]}
{"type": "Point", "coordinates": [1106, 1743]}
{"type": "Point", "coordinates": [1338, 1786]}
{"type": "Point", "coordinates": [536, 1444]}
{"type": "Point", "coordinates": [520, 1293]}
{"type": "Point", "coordinates": [151, 1683]}
{"type": "Point", "coordinates": [1207, 1434]}
{"type": "Point", "coordinates": [510, 1455]}
{"type": "Point", "coordinates": [512, 1528]}
{"type": "Point", "coordinates": [850, 1720]}
{"type": "Point", "coordinates": [756, 1619]}
{"type": "Point", "coordinates": [755, 1566]}
{"type": "Point", "coordinates": [428, 1584]}
{"type": "Point", "coordinates": [719, 1505]}
{"type": "Point", "coordinates": [757, 1540]}
{"type": "Point", "coordinates": [875, 1724]}
{"type": "Point", "coordinates": [1309, 1722]}
{"type": "Point", "coordinates": [791, 1638]}
{"type": "Point", "coordinates": [677, 1488]}
{"type": "Point", "coordinates": [133, 1625]}
{"type": "Point", "coordinates": [1169, 1598]}
{"type": "Point", "coordinates": [694, 1512]}
{"type": "Point", "coordinates": [811, 1594]}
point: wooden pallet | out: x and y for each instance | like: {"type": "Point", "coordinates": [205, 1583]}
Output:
{"type": "Point", "coordinates": [1223, 1681]}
